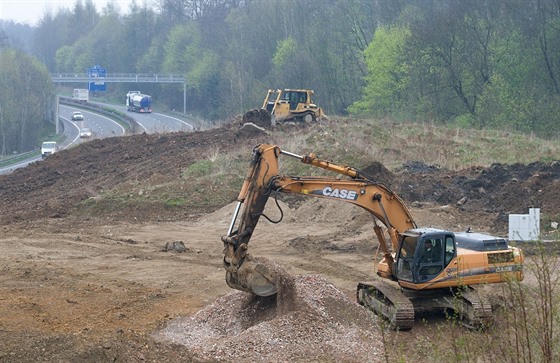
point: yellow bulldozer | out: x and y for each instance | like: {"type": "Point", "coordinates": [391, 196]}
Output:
{"type": "Point", "coordinates": [283, 106]}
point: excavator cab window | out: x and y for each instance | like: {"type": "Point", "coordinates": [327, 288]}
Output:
{"type": "Point", "coordinates": [430, 257]}
{"type": "Point", "coordinates": [450, 250]}
{"type": "Point", "coordinates": [421, 258]}
{"type": "Point", "coordinates": [405, 258]}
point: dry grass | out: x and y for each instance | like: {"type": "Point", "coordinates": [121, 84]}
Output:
{"type": "Point", "coordinates": [359, 142]}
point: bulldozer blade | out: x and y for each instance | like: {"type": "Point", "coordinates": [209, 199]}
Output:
{"type": "Point", "coordinates": [254, 276]}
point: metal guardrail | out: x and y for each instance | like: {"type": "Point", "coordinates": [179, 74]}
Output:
{"type": "Point", "coordinates": [9, 158]}
{"type": "Point", "coordinates": [117, 77]}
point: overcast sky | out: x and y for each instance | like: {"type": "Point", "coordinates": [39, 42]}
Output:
{"type": "Point", "coordinates": [30, 11]}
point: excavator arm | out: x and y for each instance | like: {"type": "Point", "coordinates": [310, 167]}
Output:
{"type": "Point", "coordinates": [243, 272]}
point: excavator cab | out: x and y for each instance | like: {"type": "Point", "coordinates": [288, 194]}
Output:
{"type": "Point", "coordinates": [423, 254]}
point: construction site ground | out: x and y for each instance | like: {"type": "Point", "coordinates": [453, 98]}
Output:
{"type": "Point", "coordinates": [120, 287]}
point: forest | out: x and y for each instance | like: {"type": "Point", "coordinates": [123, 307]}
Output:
{"type": "Point", "coordinates": [463, 63]}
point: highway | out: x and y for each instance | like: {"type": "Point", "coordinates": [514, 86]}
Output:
{"type": "Point", "coordinates": [155, 122]}
{"type": "Point", "coordinates": [103, 126]}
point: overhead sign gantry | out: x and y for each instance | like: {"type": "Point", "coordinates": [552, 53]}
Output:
{"type": "Point", "coordinates": [97, 76]}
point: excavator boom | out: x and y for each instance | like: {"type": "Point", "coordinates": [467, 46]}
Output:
{"type": "Point", "coordinates": [263, 179]}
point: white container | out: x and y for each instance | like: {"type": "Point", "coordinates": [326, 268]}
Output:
{"type": "Point", "coordinates": [525, 227]}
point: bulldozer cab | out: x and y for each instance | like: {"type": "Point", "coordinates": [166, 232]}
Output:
{"type": "Point", "coordinates": [421, 257]}
{"type": "Point", "coordinates": [294, 98]}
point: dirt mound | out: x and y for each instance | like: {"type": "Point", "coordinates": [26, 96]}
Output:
{"type": "Point", "coordinates": [498, 190]}
{"type": "Point", "coordinates": [377, 172]}
{"type": "Point", "coordinates": [52, 187]}
{"type": "Point", "coordinates": [259, 117]}
{"type": "Point", "coordinates": [318, 324]}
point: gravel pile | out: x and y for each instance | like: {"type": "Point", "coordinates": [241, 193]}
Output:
{"type": "Point", "coordinates": [309, 320]}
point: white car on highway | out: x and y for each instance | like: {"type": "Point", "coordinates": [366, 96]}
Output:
{"type": "Point", "coordinates": [77, 116]}
{"type": "Point", "coordinates": [85, 132]}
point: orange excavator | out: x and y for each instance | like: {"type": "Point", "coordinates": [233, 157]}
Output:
{"type": "Point", "coordinates": [421, 268]}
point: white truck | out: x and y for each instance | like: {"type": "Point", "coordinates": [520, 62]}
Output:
{"type": "Point", "coordinates": [48, 148]}
{"type": "Point", "coordinates": [80, 95]}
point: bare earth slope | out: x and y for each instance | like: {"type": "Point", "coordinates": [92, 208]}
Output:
{"type": "Point", "coordinates": [52, 187]}
{"type": "Point", "coordinates": [104, 288]}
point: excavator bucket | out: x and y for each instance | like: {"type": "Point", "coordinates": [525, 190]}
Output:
{"type": "Point", "coordinates": [256, 275]}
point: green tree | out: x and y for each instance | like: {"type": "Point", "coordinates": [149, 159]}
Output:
{"type": "Point", "coordinates": [387, 77]}
{"type": "Point", "coordinates": [179, 39]}
{"type": "Point", "coordinates": [151, 60]}
{"type": "Point", "coordinates": [140, 27]}
{"type": "Point", "coordinates": [63, 29]}
{"type": "Point", "coordinates": [4, 42]}
{"type": "Point", "coordinates": [27, 96]}
{"type": "Point", "coordinates": [49, 37]}
{"type": "Point", "coordinates": [517, 97]}
{"type": "Point", "coordinates": [185, 54]}
{"type": "Point", "coordinates": [545, 29]}
{"type": "Point", "coordinates": [64, 58]}
{"type": "Point", "coordinates": [289, 63]}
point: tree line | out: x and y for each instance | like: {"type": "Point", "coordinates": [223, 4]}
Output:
{"type": "Point", "coordinates": [469, 63]}
{"type": "Point", "coordinates": [26, 101]}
